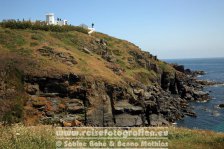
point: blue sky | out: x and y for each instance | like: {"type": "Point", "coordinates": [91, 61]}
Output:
{"type": "Point", "coordinates": [166, 28]}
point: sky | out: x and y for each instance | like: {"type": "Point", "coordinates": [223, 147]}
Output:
{"type": "Point", "coordinates": [167, 28]}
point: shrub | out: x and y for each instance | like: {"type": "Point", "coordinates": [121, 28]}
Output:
{"type": "Point", "coordinates": [38, 25]}
{"type": "Point", "coordinates": [33, 44]}
{"type": "Point", "coordinates": [36, 37]}
{"type": "Point", "coordinates": [15, 115]}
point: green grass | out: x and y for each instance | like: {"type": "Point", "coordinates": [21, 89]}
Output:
{"type": "Point", "coordinates": [11, 39]}
{"type": "Point", "coordinates": [142, 75]}
{"type": "Point", "coordinates": [165, 67]}
{"type": "Point", "coordinates": [68, 38]}
{"type": "Point", "coordinates": [33, 44]}
{"type": "Point", "coordinates": [37, 37]}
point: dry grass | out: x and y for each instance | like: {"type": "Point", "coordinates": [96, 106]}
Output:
{"type": "Point", "coordinates": [182, 138]}
{"type": "Point", "coordinates": [43, 137]}
{"type": "Point", "coordinates": [21, 137]}
{"type": "Point", "coordinates": [23, 45]}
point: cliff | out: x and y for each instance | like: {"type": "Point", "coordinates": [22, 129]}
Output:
{"type": "Point", "coordinates": [70, 78]}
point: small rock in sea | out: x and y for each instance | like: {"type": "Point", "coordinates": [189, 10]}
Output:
{"type": "Point", "coordinates": [221, 105]}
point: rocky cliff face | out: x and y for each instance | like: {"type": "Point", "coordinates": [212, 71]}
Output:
{"type": "Point", "coordinates": [72, 99]}
{"type": "Point", "coordinates": [74, 79]}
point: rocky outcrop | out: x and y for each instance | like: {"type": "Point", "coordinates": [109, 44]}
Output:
{"type": "Point", "coordinates": [182, 69]}
{"type": "Point", "coordinates": [77, 100]}
{"type": "Point", "coordinates": [65, 99]}
{"type": "Point", "coordinates": [63, 57]}
{"type": "Point", "coordinates": [143, 60]}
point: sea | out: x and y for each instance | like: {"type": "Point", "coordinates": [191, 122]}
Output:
{"type": "Point", "coordinates": [209, 115]}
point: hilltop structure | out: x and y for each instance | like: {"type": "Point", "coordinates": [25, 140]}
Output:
{"type": "Point", "coordinates": [50, 20]}
{"type": "Point", "coordinates": [91, 29]}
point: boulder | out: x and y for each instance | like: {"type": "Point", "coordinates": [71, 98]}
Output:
{"type": "Point", "coordinates": [125, 107]}
{"type": "Point", "coordinates": [179, 68]}
{"type": "Point", "coordinates": [32, 89]}
{"type": "Point", "coordinates": [200, 95]}
{"type": "Point", "coordinates": [39, 102]}
{"type": "Point", "coordinates": [188, 71]}
{"type": "Point", "coordinates": [66, 58]}
{"type": "Point", "coordinates": [127, 120]}
{"type": "Point", "coordinates": [157, 120]}
{"type": "Point", "coordinates": [138, 91]}
{"type": "Point", "coordinates": [191, 113]}
{"type": "Point", "coordinates": [87, 51]}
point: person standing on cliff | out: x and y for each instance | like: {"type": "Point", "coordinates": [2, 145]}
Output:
{"type": "Point", "coordinates": [92, 25]}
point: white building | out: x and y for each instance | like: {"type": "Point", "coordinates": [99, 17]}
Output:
{"type": "Point", "coordinates": [50, 20]}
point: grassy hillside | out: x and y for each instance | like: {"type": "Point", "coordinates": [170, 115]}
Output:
{"type": "Point", "coordinates": [36, 52]}
{"type": "Point", "coordinates": [98, 55]}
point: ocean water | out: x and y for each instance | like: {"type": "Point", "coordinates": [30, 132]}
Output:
{"type": "Point", "coordinates": [209, 115]}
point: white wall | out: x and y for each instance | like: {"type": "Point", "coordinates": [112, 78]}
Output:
{"type": "Point", "coordinates": [50, 19]}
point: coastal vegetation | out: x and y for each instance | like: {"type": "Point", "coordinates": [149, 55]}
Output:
{"type": "Point", "coordinates": [40, 25]}
{"type": "Point", "coordinates": [36, 137]}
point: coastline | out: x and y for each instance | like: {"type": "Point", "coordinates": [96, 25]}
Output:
{"type": "Point", "coordinates": [210, 115]}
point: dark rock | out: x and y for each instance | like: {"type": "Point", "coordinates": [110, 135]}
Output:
{"type": "Point", "coordinates": [108, 57]}
{"type": "Point", "coordinates": [198, 72]}
{"type": "Point", "coordinates": [116, 69]}
{"type": "Point", "coordinates": [179, 67]}
{"type": "Point", "coordinates": [73, 78]}
{"type": "Point", "coordinates": [191, 113]}
{"type": "Point", "coordinates": [49, 113]}
{"type": "Point", "coordinates": [165, 80]}
{"type": "Point", "coordinates": [98, 103]}
{"type": "Point", "coordinates": [188, 71]}
{"type": "Point", "coordinates": [221, 105]}
{"type": "Point", "coordinates": [155, 68]}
